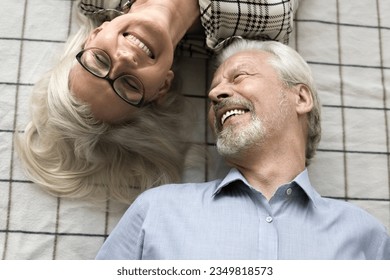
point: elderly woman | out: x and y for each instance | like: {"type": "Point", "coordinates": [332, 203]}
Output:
{"type": "Point", "coordinates": [107, 120]}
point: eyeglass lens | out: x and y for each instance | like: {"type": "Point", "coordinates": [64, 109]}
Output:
{"type": "Point", "coordinates": [98, 63]}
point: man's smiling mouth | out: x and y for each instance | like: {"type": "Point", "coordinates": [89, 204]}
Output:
{"type": "Point", "coordinates": [135, 41]}
{"type": "Point", "coordinates": [231, 113]}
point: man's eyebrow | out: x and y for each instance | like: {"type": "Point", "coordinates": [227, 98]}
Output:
{"type": "Point", "coordinates": [238, 67]}
{"type": "Point", "coordinates": [245, 66]}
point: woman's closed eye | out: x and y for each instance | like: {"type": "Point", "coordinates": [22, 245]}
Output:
{"type": "Point", "coordinates": [101, 61]}
{"type": "Point", "coordinates": [130, 84]}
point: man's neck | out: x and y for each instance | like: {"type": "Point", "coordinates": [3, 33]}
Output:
{"type": "Point", "coordinates": [267, 169]}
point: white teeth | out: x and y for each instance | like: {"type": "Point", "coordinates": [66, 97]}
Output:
{"type": "Point", "coordinates": [138, 43]}
{"type": "Point", "coordinates": [231, 113]}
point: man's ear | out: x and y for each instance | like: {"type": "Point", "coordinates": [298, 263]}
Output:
{"type": "Point", "coordinates": [303, 99]}
{"type": "Point", "coordinates": [164, 88]}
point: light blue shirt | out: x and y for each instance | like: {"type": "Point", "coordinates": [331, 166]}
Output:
{"type": "Point", "coordinates": [228, 219]}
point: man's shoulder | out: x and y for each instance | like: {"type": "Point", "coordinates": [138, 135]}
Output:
{"type": "Point", "coordinates": [172, 198]}
{"type": "Point", "coordinates": [351, 213]}
{"type": "Point", "coordinates": [180, 191]}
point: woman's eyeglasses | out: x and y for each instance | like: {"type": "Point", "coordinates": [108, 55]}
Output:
{"type": "Point", "coordinates": [97, 62]}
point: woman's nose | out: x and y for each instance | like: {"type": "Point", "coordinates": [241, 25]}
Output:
{"type": "Point", "coordinates": [123, 62]}
{"type": "Point", "coordinates": [128, 56]}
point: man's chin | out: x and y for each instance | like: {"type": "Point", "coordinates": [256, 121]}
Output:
{"type": "Point", "coordinates": [233, 142]}
{"type": "Point", "coordinates": [230, 149]}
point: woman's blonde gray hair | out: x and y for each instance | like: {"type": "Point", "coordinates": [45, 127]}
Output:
{"type": "Point", "coordinates": [293, 70]}
{"type": "Point", "coordinates": [70, 154]}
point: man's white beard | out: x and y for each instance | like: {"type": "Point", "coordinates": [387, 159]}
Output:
{"type": "Point", "coordinates": [233, 140]}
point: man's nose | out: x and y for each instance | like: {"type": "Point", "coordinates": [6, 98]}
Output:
{"type": "Point", "coordinates": [219, 93]}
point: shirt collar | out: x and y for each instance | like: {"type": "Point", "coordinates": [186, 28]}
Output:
{"type": "Point", "coordinates": [302, 180]}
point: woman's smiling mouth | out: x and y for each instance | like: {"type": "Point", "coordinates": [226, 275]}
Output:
{"type": "Point", "coordinates": [137, 42]}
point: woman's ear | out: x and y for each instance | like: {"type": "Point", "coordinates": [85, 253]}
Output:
{"type": "Point", "coordinates": [303, 98]}
{"type": "Point", "coordinates": [94, 33]}
{"type": "Point", "coordinates": [165, 87]}
{"type": "Point", "coordinates": [92, 36]}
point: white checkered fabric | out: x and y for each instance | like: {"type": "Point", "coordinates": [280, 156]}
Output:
{"type": "Point", "coordinates": [345, 42]}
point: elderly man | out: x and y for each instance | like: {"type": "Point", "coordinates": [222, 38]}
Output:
{"type": "Point", "coordinates": [266, 117]}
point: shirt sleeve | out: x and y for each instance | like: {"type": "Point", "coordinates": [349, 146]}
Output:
{"type": "Point", "coordinates": [258, 20]}
{"type": "Point", "coordinates": [384, 249]}
{"type": "Point", "coordinates": [126, 240]}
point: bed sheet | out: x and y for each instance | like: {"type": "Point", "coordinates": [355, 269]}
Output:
{"type": "Point", "coordinates": [346, 43]}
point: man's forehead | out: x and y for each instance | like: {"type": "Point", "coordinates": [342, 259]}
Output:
{"type": "Point", "coordinates": [244, 60]}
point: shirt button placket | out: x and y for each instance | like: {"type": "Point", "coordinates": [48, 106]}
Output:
{"type": "Point", "coordinates": [268, 238]}
{"type": "Point", "coordinates": [268, 234]}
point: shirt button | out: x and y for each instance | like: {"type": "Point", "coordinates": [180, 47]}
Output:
{"type": "Point", "coordinates": [269, 219]}
{"type": "Point", "coordinates": [289, 191]}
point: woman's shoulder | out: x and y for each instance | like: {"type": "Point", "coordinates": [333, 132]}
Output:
{"type": "Point", "coordinates": [256, 20]}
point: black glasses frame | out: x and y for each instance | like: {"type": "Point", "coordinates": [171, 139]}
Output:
{"type": "Point", "coordinates": [137, 104]}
